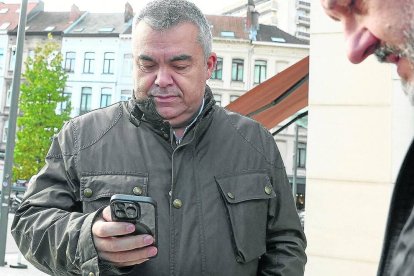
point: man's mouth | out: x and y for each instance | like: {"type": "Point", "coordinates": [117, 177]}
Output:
{"type": "Point", "coordinates": [165, 98]}
{"type": "Point", "coordinates": [390, 54]}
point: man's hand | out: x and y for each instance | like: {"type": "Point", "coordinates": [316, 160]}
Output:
{"type": "Point", "coordinates": [122, 250]}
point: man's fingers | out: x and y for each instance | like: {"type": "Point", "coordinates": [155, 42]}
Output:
{"type": "Point", "coordinates": [130, 257]}
{"type": "Point", "coordinates": [106, 214]}
{"type": "Point", "coordinates": [104, 229]}
{"type": "Point", "coordinates": [118, 244]}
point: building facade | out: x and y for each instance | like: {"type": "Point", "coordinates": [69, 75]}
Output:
{"type": "Point", "coordinates": [292, 16]}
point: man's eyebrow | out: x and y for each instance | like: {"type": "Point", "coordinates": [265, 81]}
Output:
{"type": "Point", "coordinates": [145, 57]}
{"type": "Point", "coordinates": [181, 58]}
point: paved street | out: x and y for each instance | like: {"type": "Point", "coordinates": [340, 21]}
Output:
{"type": "Point", "coordinates": [12, 258]}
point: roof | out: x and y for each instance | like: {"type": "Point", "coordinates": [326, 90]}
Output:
{"type": "Point", "coordinates": [222, 23]}
{"type": "Point", "coordinates": [9, 13]}
{"type": "Point", "coordinates": [237, 25]}
{"type": "Point", "coordinates": [278, 98]}
{"type": "Point", "coordinates": [99, 24]}
{"type": "Point", "coordinates": [48, 22]}
{"type": "Point", "coordinates": [269, 33]}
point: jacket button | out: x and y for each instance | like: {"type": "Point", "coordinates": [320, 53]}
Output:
{"type": "Point", "coordinates": [177, 203]}
{"type": "Point", "coordinates": [230, 195]}
{"type": "Point", "coordinates": [137, 191]}
{"type": "Point", "coordinates": [91, 274]}
{"type": "Point", "coordinates": [268, 189]}
{"type": "Point", "coordinates": [87, 192]}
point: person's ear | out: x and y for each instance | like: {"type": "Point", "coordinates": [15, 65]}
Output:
{"type": "Point", "coordinates": [211, 64]}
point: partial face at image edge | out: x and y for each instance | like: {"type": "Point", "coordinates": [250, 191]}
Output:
{"type": "Point", "coordinates": [381, 27]}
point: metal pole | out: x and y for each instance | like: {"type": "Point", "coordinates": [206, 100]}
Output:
{"type": "Point", "coordinates": [295, 163]}
{"type": "Point", "coordinates": [11, 135]}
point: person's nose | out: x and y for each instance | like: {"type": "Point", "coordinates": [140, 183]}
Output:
{"type": "Point", "coordinates": [360, 43]}
{"type": "Point", "coordinates": [164, 77]}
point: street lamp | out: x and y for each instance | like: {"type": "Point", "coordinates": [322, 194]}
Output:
{"type": "Point", "coordinates": [11, 134]}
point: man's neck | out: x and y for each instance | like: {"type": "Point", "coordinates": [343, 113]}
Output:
{"type": "Point", "coordinates": [179, 132]}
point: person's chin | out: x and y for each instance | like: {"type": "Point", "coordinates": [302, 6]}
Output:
{"type": "Point", "coordinates": [408, 87]}
{"type": "Point", "coordinates": [405, 69]}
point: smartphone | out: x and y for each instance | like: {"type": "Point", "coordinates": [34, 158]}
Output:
{"type": "Point", "coordinates": [139, 210]}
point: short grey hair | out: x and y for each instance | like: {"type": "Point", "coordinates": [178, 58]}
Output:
{"type": "Point", "coordinates": [162, 15]}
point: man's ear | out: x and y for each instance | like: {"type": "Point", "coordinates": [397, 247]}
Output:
{"type": "Point", "coordinates": [211, 64]}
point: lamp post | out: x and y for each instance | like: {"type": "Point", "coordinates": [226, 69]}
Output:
{"type": "Point", "coordinates": [11, 135]}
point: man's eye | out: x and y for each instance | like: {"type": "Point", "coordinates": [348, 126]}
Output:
{"type": "Point", "coordinates": [180, 67]}
{"type": "Point", "coordinates": [146, 67]}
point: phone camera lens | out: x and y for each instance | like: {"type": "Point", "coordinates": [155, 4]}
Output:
{"type": "Point", "coordinates": [120, 214]}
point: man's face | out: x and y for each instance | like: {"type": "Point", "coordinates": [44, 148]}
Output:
{"type": "Point", "coordinates": [170, 67]}
{"type": "Point", "coordinates": [381, 27]}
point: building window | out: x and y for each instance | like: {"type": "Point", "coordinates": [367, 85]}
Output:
{"type": "Point", "coordinates": [233, 98]}
{"type": "Point", "coordinates": [5, 131]}
{"type": "Point", "coordinates": [237, 70]}
{"type": "Point", "coordinates": [86, 99]}
{"type": "Point", "coordinates": [126, 95]}
{"type": "Point", "coordinates": [89, 63]}
{"type": "Point", "coordinates": [70, 62]}
{"type": "Point", "coordinates": [105, 97]}
{"type": "Point", "coordinates": [218, 71]}
{"type": "Point", "coordinates": [301, 158]}
{"type": "Point", "coordinates": [68, 94]}
{"type": "Point", "coordinates": [1, 58]}
{"type": "Point", "coordinates": [127, 65]}
{"type": "Point", "coordinates": [217, 98]}
{"type": "Point", "coordinates": [12, 58]}
{"type": "Point", "coordinates": [9, 94]}
{"type": "Point", "coordinates": [259, 71]}
{"type": "Point", "coordinates": [108, 65]}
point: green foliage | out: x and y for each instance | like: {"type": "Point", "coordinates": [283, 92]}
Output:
{"type": "Point", "coordinates": [41, 93]}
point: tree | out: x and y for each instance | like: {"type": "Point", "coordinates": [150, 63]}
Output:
{"type": "Point", "coordinates": [41, 95]}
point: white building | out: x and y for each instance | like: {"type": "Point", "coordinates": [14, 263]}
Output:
{"type": "Point", "coordinates": [292, 16]}
{"type": "Point", "coordinates": [93, 57]}
{"type": "Point", "coordinates": [9, 18]}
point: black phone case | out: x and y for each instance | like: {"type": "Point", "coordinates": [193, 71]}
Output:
{"type": "Point", "coordinates": [123, 208]}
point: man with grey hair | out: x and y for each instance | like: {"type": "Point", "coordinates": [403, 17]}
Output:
{"type": "Point", "coordinates": [386, 28]}
{"type": "Point", "coordinates": [224, 201]}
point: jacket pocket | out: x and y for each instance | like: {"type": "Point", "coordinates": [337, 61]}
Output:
{"type": "Point", "coordinates": [246, 198]}
{"type": "Point", "coordinates": [97, 189]}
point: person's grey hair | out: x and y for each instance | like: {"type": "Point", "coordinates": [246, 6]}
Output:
{"type": "Point", "coordinates": [162, 15]}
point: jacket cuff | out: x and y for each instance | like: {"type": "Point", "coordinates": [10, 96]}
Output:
{"type": "Point", "coordinates": [90, 262]}
{"type": "Point", "coordinates": [86, 247]}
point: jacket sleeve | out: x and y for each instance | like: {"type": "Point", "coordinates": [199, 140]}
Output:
{"type": "Point", "coordinates": [49, 228]}
{"type": "Point", "coordinates": [286, 241]}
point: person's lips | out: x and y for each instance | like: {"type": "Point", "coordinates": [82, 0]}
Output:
{"type": "Point", "coordinates": [392, 58]}
{"type": "Point", "coordinates": [165, 99]}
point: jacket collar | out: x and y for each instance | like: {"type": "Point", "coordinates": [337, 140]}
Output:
{"type": "Point", "coordinates": [145, 111]}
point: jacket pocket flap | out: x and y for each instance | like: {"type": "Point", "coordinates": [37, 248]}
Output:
{"type": "Point", "coordinates": [98, 186]}
{"type": "Point", "coordinates": [245, 187]}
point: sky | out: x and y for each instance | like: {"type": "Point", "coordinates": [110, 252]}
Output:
{"type": "Point", "coordinates": [206, 6]}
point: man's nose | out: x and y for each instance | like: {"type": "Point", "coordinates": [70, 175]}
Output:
{"type": "Point", "coordinates": [360, 44]}
{"type": "Point", "coordinates": [164, 78]}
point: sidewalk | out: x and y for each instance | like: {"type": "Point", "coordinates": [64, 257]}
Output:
{"type": "Point", "coordinates": [12, 258]}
